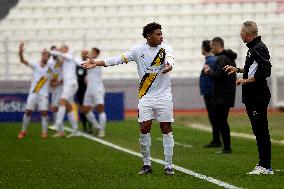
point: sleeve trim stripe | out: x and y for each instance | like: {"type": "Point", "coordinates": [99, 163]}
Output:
{"type": "Point", "coordinates": [124, 58]}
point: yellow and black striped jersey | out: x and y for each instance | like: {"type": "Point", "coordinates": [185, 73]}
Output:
{"type": "Point", "coordinates": [150, 62]}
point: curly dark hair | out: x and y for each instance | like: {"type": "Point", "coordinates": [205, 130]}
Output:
{"type": "Point", "coordinates": [150, 28]}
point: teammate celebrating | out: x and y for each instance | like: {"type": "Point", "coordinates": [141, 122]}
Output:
{"type": "Point", "coordinates": [94, 96]}
{"type": "Point", "coordinates": [70, 87]}
{"type": "Point", "coordinates": [56, 83]}
{"type": "Point", "coordinates": [154, 60]}
{"type": "Point", "coordinates": [38, 94]}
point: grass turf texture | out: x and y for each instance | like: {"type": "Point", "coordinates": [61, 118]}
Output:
{"type": "Point", "coordinates": [80, 163]}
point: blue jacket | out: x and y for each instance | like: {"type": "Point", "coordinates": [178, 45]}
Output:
{"type": "Point", "coordinates": [205, 81]}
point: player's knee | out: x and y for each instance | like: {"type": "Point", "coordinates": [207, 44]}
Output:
{"type": "Point", "coordinates": [165, 128]}
{"type": "Point", "coordinates": [145, 127]}
{"type": "Point", "coordinates": [53, 108]}
{"type": "Point", "coordinates": [44, 113]}
{"type": "Point", "coordinates": [29, 112]}
{"type": "Point", "coordinates": [100, 108]}
{"type": "Point", "coordinates": [86, 109]}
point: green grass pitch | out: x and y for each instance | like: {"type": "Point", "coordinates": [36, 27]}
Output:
{"type": "Point", "coordinates": [81, 163]}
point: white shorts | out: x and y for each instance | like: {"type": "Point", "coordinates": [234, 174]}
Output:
{"type": "Point", "coordinates": [93, 98]}
{"type": "Point", "coordinates": [69, 90]}
{"type": "Point", "coordinates": [158, 109]}
{"type": "Point", "coordinates": [56, 95]}
{"type": "Point", "coordinates": [37, 99]}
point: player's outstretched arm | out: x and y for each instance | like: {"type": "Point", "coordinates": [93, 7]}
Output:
{"type": "Point", "coordinates": [91, 63]}
{"type": "Point", "coordinates": [21, 54]}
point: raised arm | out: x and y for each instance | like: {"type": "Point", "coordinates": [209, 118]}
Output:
{"type": "Point", "coordinates": [21, 54]}
{"type": "Point", "coordinates": [63, 55]}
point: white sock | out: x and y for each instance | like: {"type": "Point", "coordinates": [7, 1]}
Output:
{"type": "Point", "coordinates": [91, 118]}
{"type": "Point", "coordinates": [59, 117]}
{"type": "Point", "coordinates": [102, 120]}
{"type": "Point", "coordinates": [168, 143]}
{"type": "Point", "coordinates": [72, 120]}
{"type": "Point", "coordinates": [26, 122]}
{"type": "Point", "coordinates": [54, 116]}
{"type": "Point", "coordinates": [145, 144]}
{"type": "Point", "coordinates": [44, 123]}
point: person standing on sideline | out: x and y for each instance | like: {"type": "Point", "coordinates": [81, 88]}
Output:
{"type": "Point", "coordinates": [206, 89]}
{"type": "Point", "coordinates": [39, 90]}
{"type": "Point", "coordinates": [154, 60]}
{"type": "Point", "coordinates": [224, 89]}
{"type": "Point", "coordinates": [82, 86]}
{"type": "Point", "coordinates": [255, 92]}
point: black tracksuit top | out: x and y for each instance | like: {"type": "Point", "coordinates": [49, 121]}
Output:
{"type": "Point", "coordinates": [258, 91]}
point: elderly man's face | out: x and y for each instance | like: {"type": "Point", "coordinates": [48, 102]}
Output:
{"type": "Point", "coordinates": [243, 35]}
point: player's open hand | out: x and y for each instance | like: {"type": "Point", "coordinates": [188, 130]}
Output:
{"type": "Point", "coordinates": [89, 63]}
{"type": "Point", "coordinates": [230, 69]}
{"type": "Point", "coordinates": [167, 68]}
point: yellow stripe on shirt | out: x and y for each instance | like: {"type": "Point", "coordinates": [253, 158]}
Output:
{"type": "Point", "coordinates": [146, 83]}
{"type": "Point", "coordinates": [40, 84]}
{"type": "Point", "coordinates": [160, 57]}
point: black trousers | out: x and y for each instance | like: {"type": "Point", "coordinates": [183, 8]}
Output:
{"type": "Point", "coordinates": [221, 120]}
{"type": "Point", "coordinates": [210, 109]}
{"type": "Point", "coordinates": [257, 113]}
{"type": "Point", "coordinates": [80, 98]}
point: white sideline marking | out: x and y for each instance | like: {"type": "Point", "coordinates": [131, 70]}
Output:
{"type": "Point", "coordinates": [179, 144]}
{"type": "Point", "coordinates": [176, 167]}
{"type": "Point", "coordinates": [240, 135]}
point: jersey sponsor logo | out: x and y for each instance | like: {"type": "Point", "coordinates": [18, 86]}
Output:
{"type": "Point", "coordinates": [149, 78]}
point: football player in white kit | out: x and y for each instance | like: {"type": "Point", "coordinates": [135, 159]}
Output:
{"type": "Point", "coordinates": [70, 87]}
{"type": "Point", "coordinates": [56, 83]}
{"type": "Point", "coordinates": [38, 95]}
{"type": "Point", "coordinates": [94, 96]}
{"type": "Point", "coordinates": [154, 60]}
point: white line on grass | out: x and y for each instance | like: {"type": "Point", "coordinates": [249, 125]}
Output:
{"type": "Point", "coordinates": [179, 144]}
{"type": "Point", "coordinates": [235, 134]}
{"type": "Point", "coordinates": [176, 167]}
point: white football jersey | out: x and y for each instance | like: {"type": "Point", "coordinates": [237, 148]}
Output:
{"type": "Point", "coordinates": [40, 78]}
{"type": "Point", "coordinates": [150, 63]}
{"type": "Point", "coordinates": [94, 79]}
{"type": "Point", "coordinates": [56, 68]}
{"type": "Point", "coordinates": [68, 67]}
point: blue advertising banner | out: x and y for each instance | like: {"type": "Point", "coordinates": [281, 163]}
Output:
{"type": "Point", "coordinates": [12, 107]}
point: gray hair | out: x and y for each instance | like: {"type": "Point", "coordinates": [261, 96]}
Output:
{"type": "Point", "coordinates": [250, 28]}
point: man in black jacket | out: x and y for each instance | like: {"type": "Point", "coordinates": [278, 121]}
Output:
{"type": "Point", "coordinates": [224, 89]}
{"type": "Point", "coordinates": [82, 86]}
{"type": "Point", "coordinates": [256, 93]}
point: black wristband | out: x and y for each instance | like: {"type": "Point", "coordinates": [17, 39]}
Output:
{"type": "Point", "coordinates": [238, 70]}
